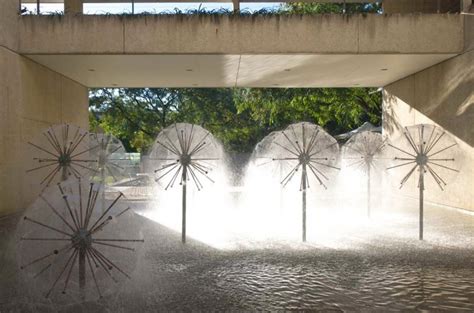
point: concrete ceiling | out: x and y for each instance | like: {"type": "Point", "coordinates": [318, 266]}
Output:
{"type": "Point", "coordinates": [238, 70]}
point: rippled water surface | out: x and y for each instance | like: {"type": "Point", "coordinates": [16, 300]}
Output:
{"type": "Point", "coordinates": [362, 274]}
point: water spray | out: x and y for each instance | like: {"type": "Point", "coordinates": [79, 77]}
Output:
{"type": "Point", "coordinates": [184, 152]}
{"type": "Point", "coordinates": [309, 150]}
{"type": "Point", "coordinates": [363, 152]}
{"type": "Point", "coordinates": [62, 151]}
{"type": "Point", "coordinates": [426, 149]}
{"type": "Point", "coordinates": [68, 232]}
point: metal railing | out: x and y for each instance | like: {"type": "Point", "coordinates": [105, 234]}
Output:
{"type": "Point", "coordinates": [76, 7]}
{"type": "Point", "coordinates": [235, 3]}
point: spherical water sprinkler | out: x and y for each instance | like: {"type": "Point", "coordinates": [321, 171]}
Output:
{"type": "Point", "coordinates": [59, 152]}
{"type": "Point", "coordinates": [425, 149]}
{"type": "Point", "coordinates": [363, 151]}
{"type": "Point", "coordinates": [183, 153]}
{"type": "Point", "coordinates": [310, 151]}
{"type": "Point", "coordinates": [68, 246]}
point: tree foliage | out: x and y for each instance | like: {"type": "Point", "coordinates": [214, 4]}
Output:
{"type": "Point", "coordinates": [238, 117]}
{"type": "Point", "coordinates": [336, 109]}
{"type": "Point", "coordinates": [133, 115]}
{"type": "Point", "coordinates": [326, 8]}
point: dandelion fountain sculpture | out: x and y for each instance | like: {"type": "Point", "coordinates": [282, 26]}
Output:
{"type": "Point", "coordinates": [112, 160]}
{"type": "Point", "coordinates": [426, 149]}
{"type": "Point", "coordinates": [64, 232]}
{"type": "Point", "coordinates": [59, 152]}
{"type": "Point", "coordinates": [309, 150]}
{"type": "Point", "coordinates": [184, 152]}
{"type": "Point", "coordinates": [363, 151]}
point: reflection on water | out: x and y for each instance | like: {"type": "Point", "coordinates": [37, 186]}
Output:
{"type": "Point", "coordinates": [383, 278]}
{"type": "Point", "coordinates": [345, 282]}
{"type": "Point", "coordinates": [370, 269]}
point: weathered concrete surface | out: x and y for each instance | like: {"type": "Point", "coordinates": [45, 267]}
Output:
{"type": "Point", "coordinates": [9, 35]}
{"type": "Point", "coordinates": [178, 34]}
{"type": "Point", "coordinates": [257, 70]}
{"type": "Point", "coordinates": [469, 32]}
{"type": "Point", "coordinates": [241, 51]}
{"type": "Point", "coordinates": [443, 95]}
{"type": "Point", "coordinates": [73, 7]}
{"type": "Point", "coordinates": [32, 97]}
{"type": "Point", "coordinates": [414, 32]}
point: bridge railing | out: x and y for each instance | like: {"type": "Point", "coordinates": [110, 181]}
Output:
{"type": "Point", "coordinates": [77, 6]}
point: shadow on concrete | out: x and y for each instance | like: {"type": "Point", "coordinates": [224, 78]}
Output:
{"type": "Point", "coordinates": [443, 93]}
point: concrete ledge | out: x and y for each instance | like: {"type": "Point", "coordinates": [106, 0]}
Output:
{"type": "Point", "coordinates": [207, 34]}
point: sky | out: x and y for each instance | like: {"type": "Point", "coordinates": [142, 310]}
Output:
{"type": "Point", "coordinates": [119, 8]}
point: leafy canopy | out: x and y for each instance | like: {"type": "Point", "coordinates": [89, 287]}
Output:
{"type": "Point", "coordinates": [238, 117]}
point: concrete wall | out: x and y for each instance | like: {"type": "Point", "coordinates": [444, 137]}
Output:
{"type": "Point", "coordinates": [9, 34]}
{"type": "Point", "coordinates": [32, 97]}
{"type": "Point", "coordinates": [179, 34]}
{"type": "Point", "coordinates": [441, 95]}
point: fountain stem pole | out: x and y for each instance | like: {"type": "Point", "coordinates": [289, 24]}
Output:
{"type": "Point", "coordinates": [422, 189]}
{"type": "Point", "coordinates": [368, 191]}
{"type": "Point", "coordinates": [102, 181]}
{"type": "Point", "coordinates": [183, 230]}
{"type": "Point", "coordinates": [82, 271]}
{"type": "Point", "coordinates": [64, 173]}
{"type": "Point", "coordinates": [304, 201]}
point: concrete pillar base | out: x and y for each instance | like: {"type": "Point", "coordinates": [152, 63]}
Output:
{"type": "Point", "coordinates": [73, 7]}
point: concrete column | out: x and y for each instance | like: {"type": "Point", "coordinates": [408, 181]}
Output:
{"type": "Point", "coordinates": [72, 7]}
{"type": "Point", "coordinates": [442, 95]}
{"type": "Point", "coordinates": [9, 25]}
{"type": "Point", "coordinates": [236, 4]}
{"type": "Point", "coordinates": [466, 5]}
{"type": "Point", "coordinates": [32, 97]}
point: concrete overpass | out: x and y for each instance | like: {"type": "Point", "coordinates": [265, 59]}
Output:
{"type": "Point", "coordinates": [240, 51]}
{"type": "Point", "coordinates": [425, 61]}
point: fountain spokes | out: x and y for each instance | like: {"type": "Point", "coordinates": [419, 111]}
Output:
{"type": "Point", "coordinates": [425, 149]}
{"type": "Point", "coordinates": [66, 232]}
{"type": "Point", "coordinates": [184, 152]}
{"type": "Point", "coordinates": [364, 151]}
{"type": "Point", "coordinates": [60, 152]}
{"type": "Point", "coordinates": [310, 151]}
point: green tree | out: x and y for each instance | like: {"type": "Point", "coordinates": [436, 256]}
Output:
{"type": "Point", "coordinates": [325, 8]}
{"type": "Point", "coordinates": [336, 109]}
{"type": "Point", "coordinates": [238, 117]}
{"type": "Point", "coordinates": [215, 109]}
{"type": "Point", "coordinates": [134, 115]}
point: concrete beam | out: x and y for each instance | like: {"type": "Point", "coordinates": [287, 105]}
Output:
{"type": "Point", "coordinates": [73, 7]}
{"type": "Point", "coordinates": [294, 34]}
{"type": "Point", "coordinates": [262, 70]}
